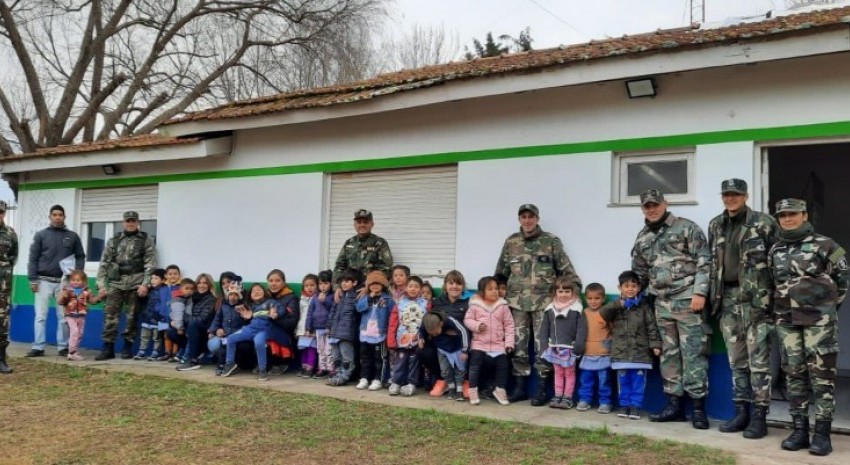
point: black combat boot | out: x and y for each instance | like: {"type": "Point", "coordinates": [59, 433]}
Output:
{"type": "Point", "coordinates": [741, 420]}
{"type": "Point", "coordinates": [542, 397]}
{"type": "Point", "coordinates": [821, 443]}
{"type": "Point", "coordinates": [799, 438]}
{"type": "Point", "coordinates": [699, 419]}
{"type": "Point", "coordinates": [518, 393]}
{"type": "Point", "coordinates": [673, 411]}
{"type": "Point", "coordinates": [127, 350]}
{"type": "Point", "coordinates": [107, 352]}
{"type": "Point", "coordinates": [757, 428]}
{"type": "Point", "coordinates": [4, 367]}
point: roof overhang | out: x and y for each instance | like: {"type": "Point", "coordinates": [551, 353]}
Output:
{"type": "Point", "coordinates": [116, 156]}
{"type": "Point", "coordinates": [826, 40]}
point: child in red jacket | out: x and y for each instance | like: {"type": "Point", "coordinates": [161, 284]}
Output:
{"type": "Point", "coordinates": [76, 299]}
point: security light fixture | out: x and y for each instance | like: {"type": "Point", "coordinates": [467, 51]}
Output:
{"type": "Point", "coordinates": [638, 88]}
{"type": "Point", "coordinates": [111, 170]}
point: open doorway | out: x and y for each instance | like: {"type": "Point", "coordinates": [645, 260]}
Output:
{"type": "Point", "coordinates": [820, 175]}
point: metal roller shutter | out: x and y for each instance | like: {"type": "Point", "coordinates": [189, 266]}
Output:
{"type": "Point", "coordinates": [414, 210]}
{"type": "Point", "coordinates": [106, 205]}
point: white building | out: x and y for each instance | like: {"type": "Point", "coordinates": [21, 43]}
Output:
{"type": "Point", "coordinates": [444, 155]}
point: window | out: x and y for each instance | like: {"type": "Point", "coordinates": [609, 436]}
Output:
{"type": "Point", "coordinates": [414, 210]}
{"type": "Point", "coordinates": [671, 171]}
{"type": "Point", "coordinates": [99, 232]}
{"type": "Point", "coordinates": [101, 213]}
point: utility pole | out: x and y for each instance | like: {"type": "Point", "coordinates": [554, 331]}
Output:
{"type": "Point", "coordinates": [698, 11]}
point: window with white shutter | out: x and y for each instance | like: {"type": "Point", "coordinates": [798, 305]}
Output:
{"type": "Point", "coordinates": [102, 210]}
{"type": "Point", "coordinates": [414, 209]}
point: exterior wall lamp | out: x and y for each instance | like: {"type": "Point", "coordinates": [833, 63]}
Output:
{"type": "Point", "coordinates": [111, 170]}
{"type": "Point", "coordinates": [638, 88]}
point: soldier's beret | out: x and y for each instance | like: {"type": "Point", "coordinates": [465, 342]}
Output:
{"type": "Point", "coordinates": [131, 215]}
{"type": "Point", "coordinates": [790, 205]}
{"type": "Point", "coordinates": [738, 186]}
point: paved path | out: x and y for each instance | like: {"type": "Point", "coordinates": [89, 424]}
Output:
{"type": "Point", "coordinates": [750, 452]}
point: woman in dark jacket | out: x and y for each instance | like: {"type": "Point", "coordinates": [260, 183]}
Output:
{"type": "Point", "coordinates": [281, 332]}
{"type": "Point", "coordinates": [205, 302]}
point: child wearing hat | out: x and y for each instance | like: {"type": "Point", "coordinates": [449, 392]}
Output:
{"type": "Point", "coordinates": [227, 321]}
{"type": "Point", "coordinates": [374, 309]}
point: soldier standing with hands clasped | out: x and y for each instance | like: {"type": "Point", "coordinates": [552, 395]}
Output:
{"type": "Point", "coordinates": [531, 259]}
{"type": "Point", "coordinates": [811, 279]}
{"type": "Point", "coordinates": [741, 293]}
{"type": "Point", "coordinates": [671, 255]}
{"type": "Point", "coordinates": [8, 257]}
{"type": "Point", "coordinates": [123, 277]}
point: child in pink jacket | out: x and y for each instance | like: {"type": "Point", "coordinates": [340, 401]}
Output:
{"type": "Point", "coordinates": [492, 326]}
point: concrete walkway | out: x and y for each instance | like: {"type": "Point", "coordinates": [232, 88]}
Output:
{"type": "Point", "coordinates": [749, 452]}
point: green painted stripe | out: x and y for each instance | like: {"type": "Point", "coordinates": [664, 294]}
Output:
{"type": "Point", "coordinates": [839, 128]}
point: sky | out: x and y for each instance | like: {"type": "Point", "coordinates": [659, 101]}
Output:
{"type": "Point", "coordinates": [556, 22]}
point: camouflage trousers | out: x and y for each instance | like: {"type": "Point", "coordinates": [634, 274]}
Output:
{"type": "Point", "coordinates": [809, 355]}
{"type": "Point", "coordinates": [527, 324]}
{"type": "Point", "coordinates": [684, 345]}
{"type": "Point", "coordinates": [5, 304]}
{"type": "Point", "coordinates": [748, 348]}
{"type": "Point", "coordinates": [115, 300]}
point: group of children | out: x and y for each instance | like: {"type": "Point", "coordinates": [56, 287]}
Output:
{"type": "Point", "coordinates": [393, 329]}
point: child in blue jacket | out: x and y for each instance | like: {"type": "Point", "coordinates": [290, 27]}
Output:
{"type": "Point", "coordinates": [154, 317]}
{"type": "Point", "coordinates": [374, 309]}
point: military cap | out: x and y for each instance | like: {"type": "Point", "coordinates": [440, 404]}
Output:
{"type": "Point", "coordinates": [363, 213]}
{"type": "Point", "coordinates": [738, 186]}
{"type": "Point", "coordinates": [131, 215]}
{"type": "Point", "coordinates": [528, 207]}
{"type": "Point", "coordinates": [3, 206]}
{"type": "Point", "coordinates": [791, 205]}
{"type": "Point", "coordinates": [651, 196]}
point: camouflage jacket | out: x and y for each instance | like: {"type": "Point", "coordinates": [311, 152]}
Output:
{"type": "Point", "coordinates": [811, 280]}
{"type": "Point", "coordinates": [673, 262]}
{"type": "Point", "coordinates": [531, 265]}
{"type": "Point", "coordinates": [8, 246]}
{"type": "Point", "coordinates": [127, 262]}
{"type": "Point", "coordinates": [364, 254]}
{"type": "Point", "coordinates": [758, 233]}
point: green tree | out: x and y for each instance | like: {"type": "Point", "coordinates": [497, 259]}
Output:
{"type": "Point", "coordinates": [506, 44]}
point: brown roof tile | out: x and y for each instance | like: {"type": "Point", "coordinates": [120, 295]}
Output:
{"type": "Point", "coordinates": [142, 141]}
{"type": "Point", "coordinates": [668, 40]}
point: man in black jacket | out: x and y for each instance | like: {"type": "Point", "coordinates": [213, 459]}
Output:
{"type": "Point", "coordinates": [49, 247]}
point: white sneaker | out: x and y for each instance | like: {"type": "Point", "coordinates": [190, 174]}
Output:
{"type": "Point", "coordinates": [363, 384]}
{"type": "Point", "coordinates": [394, 389]}
{"type": "Point", "coordinates": [376, 385]}
{"type": "Point", "coordinates": [408, 390]}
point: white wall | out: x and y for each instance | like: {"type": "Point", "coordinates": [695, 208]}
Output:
{"type": "Point", "coordinates": [246, 225]}
{"type": "Point", "coordinates": [573, 194]}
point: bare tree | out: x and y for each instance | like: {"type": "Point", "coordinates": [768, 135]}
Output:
{"type": "Point", "coordinates": [418, 47]}
{"type": "Point", "coordinates": [95, 69]}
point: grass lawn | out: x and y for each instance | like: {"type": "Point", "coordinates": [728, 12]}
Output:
{"type": "Point", "coordinates": [57, 414]}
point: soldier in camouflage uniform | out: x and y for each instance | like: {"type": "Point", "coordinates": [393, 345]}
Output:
{"type": "Point", "coordinates": [8, 256]}
{"type": "Point", "coordinates": [364, 252]}
{"type": "Point", "coordinates": [531, 259]}
{"type": "Point", "coordinates": [672, 258]}
{"type": "Point", "coordinates": [124, 276]}
{"type": "Point", "coordinates": [811, 278]}
{"type": "Point", "coordinates": [741, 293]}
